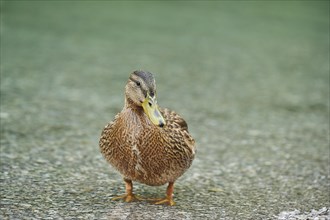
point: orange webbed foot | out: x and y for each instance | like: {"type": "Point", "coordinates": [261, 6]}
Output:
{"type": "Point", "coordinates": [129, 196]}
{"type": "Point", "coordinates": [164, 201]}
{"type": "Point", "coordinates": [168, 200]}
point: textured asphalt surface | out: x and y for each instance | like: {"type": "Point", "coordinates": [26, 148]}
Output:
{"type": "Point", "coordinates": [250, 78]}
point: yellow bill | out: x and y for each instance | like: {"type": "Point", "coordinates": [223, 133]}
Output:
{"type": "Point", "coordinates": [150, 107]}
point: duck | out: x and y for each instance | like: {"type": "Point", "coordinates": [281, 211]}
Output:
{"type": "Point", "coordinates": [146, 143]}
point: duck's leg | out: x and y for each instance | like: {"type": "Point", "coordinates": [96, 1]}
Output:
{"type": "Point", "coordinates": [129, 196]}
{"type": "Point", "coordinates": [168, 200]}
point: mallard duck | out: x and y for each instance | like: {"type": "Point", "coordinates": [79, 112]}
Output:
{"type": "Point", "coordinates": [146, 143]}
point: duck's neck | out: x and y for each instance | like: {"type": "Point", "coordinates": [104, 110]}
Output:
{"type": "Point", "coordinates": [131, 105]}
{"type": "Point", "coordinates": [134, 113]}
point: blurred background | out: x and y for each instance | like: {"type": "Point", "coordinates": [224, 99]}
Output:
{"type": "Point", "coordinates": [250, 78]}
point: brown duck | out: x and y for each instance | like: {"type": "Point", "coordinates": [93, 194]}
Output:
{"type": "Point", "coordinates": [146, 143]}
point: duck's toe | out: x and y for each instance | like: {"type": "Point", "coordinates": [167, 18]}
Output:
{"type": "Point", "coordinates": [164, 201]}
{"type": "Point", "coordinates": [130, 197]}
{"type": "Point", "coordinates": [168, 200]}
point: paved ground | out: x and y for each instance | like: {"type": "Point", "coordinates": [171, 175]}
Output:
{"type": "Point", "coordinates": [251, 79]}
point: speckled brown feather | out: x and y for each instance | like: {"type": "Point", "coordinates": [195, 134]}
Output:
{"type": "Point", "coordinates": [144, 152]}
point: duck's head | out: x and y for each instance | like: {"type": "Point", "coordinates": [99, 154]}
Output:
{"type": "Point", "coordinates": [140, 90]}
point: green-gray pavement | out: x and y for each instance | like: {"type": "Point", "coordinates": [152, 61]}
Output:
{"type": "Point", "coordinates": [250, 78]}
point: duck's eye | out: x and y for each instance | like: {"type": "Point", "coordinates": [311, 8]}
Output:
{"type": "Point", "coordinates": [137, 83]}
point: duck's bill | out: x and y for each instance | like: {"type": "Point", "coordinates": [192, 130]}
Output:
{"type": "Point", "coordinates": [150, 107]}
